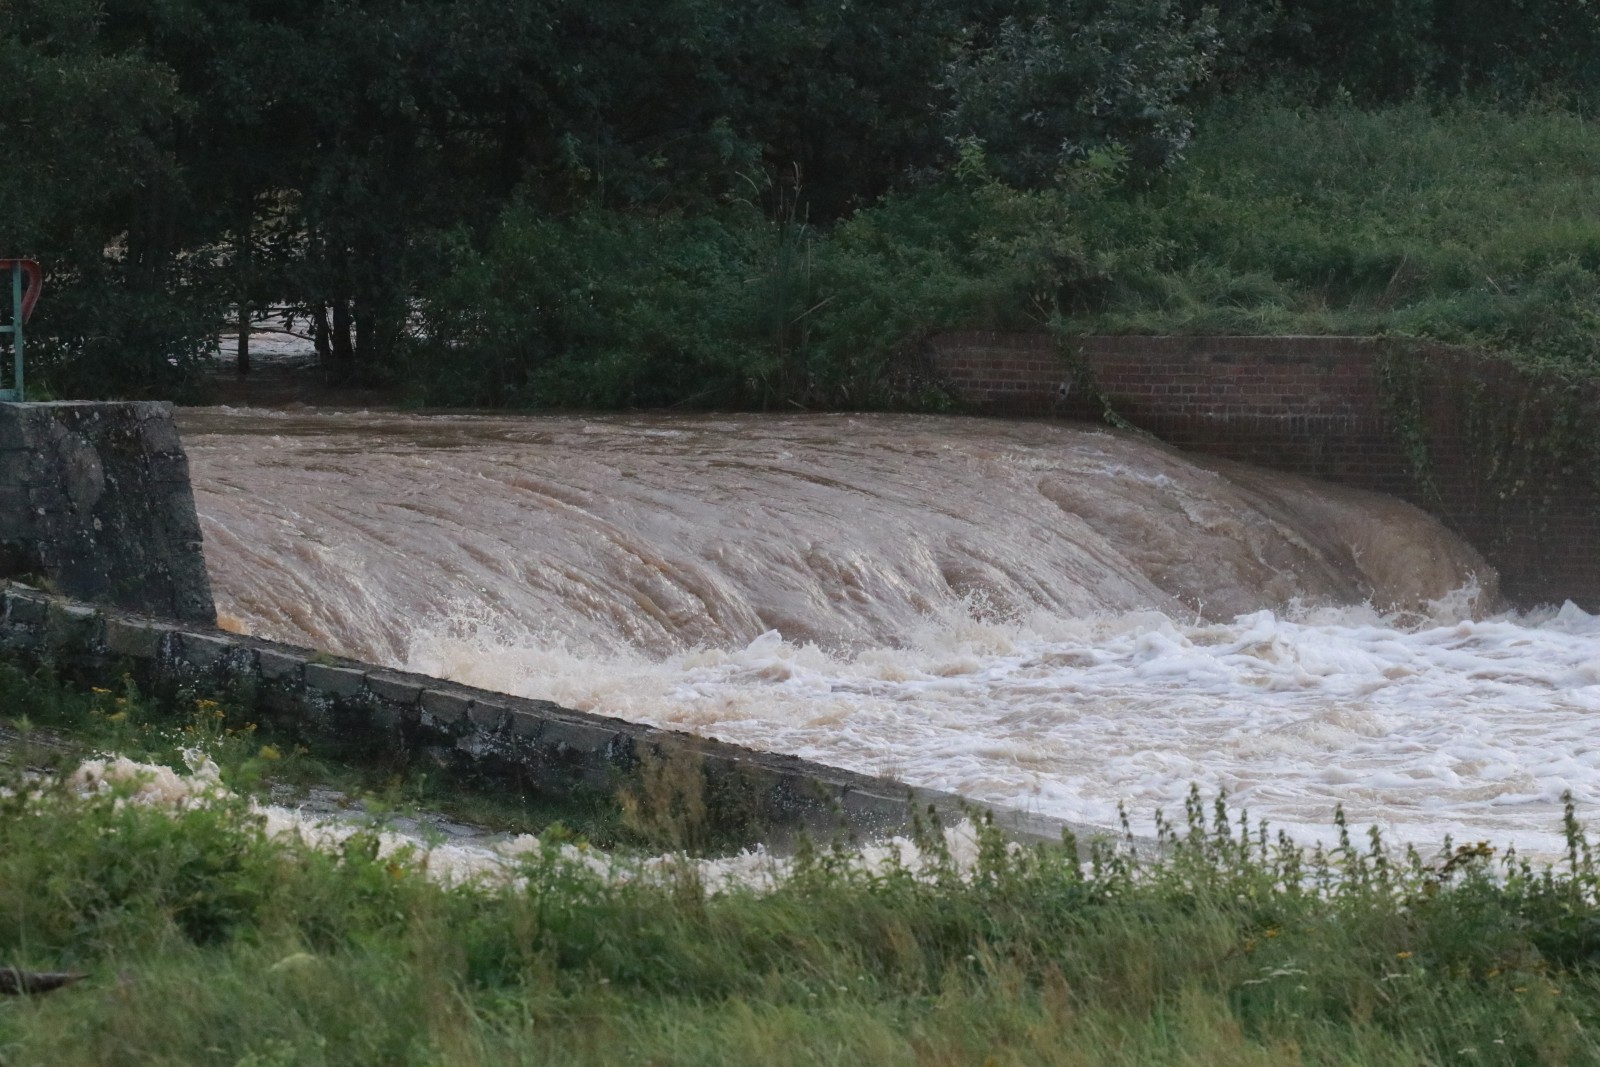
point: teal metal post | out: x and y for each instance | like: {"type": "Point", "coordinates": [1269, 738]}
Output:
{"type": "Point", "coordinates": [16, 332]}
{"type": "Point", "coordinates": [22, 301]}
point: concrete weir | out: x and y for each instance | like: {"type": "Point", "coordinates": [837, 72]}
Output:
{"type": "Point", "coordinates": [528, 745]}
{"type": "Point", "coordinates": [103, 577]}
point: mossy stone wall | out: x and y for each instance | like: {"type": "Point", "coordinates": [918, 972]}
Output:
{"type": "Point", "coordinates": [95, 503]}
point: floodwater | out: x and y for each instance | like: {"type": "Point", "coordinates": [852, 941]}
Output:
{"type": "Point", "coordinates": [1036, 615]}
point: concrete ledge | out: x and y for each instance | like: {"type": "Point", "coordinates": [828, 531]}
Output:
{"type": "Point", "coordinates": [390, 714]}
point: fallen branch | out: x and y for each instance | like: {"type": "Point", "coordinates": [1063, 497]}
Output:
{"type": "Point", "coordinates": [14, 982]}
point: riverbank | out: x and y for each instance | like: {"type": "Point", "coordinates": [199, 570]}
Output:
{"type": "Point", "coordinates": [206, 940]}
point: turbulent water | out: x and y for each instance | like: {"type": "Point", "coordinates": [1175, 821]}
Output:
{"type": "Point", "coordinates": [1037, 616]}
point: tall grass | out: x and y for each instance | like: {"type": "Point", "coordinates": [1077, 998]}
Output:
{"type": "Point", "coordinates": [1460, 222]}
{"type": "Point", "coordinates": [207, 942]}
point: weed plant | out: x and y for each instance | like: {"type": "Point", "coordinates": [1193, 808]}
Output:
{"type": "Point", "coordinates": [208, 942]}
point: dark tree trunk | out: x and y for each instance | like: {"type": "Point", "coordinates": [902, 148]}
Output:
{"type": "Point", "coordinates": [242, 363]}
{"type": "Point", "coordinates": [321, 334]}
{"type": "Point", "coordinates": [366, 336]}
{"type": "Point", "coordinates": [344, 351]}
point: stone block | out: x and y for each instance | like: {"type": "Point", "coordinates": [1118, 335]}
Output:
{"type": "Point", "coordinates": [526, 725]}
{"type": "Point", "coordinates": [281, 701]}
{"type": "Point", "coordinates": [446, 707]}
{"type": "Point", "coordinates": [109, 514]}
{"type": "Point", "coordinates": [241, 663]}
{"type": "Point", "coordinates": [202, 651]}
{"type": "Point", "coordinates": [20, 639]}
{"type": "Point", "coordinates": [175, 515]}
{"type": "Point", "coordinates": [69, 625]}
{"type": "Point", "coordinates": [25, 609]}
{"type": "Point", "coordinates": [487, 715]}
{"type": "Point", "coordinates": [579, 736]}
{"type": "Point", "coordinates": [874, 810]}
{"type": "Point", "coordinates": [168, 469]}
{"type": "Point", "coordinates": [160, 433]}
{"type": "Point", "coordinates": [285, 667]}
{"type": "Point", "coordinates": [334, 681]}
{"type": "Point", "coordinates": [136, 638]}
{"type": "Point", "coordinates": [393, 689]}
{"type": "Point", "coordinates": [16, 526]}
{"type": "Point", "coordinates": [15, 427]}
{"type": "Point", "coordinates": [386, 719]}
{"type": "Point", "coordinates": [16, 468]}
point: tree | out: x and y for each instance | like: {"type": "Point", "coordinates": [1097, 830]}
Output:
{"type": "Point", "coordinates": [1048, 89]}
{"type": "Point", "coordinates": [86, 127]}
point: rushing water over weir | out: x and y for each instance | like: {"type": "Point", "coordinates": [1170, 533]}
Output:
{"type": "Point", "coordinates": [1033, 615]}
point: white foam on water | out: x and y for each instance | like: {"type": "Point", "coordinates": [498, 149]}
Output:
{"type": "Point", "coordinates": [1036, 616]}
{"type": "Point", "coordinates": [1425, 726]}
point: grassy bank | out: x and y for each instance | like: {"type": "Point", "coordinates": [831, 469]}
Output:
{"type": "Point", "coordinates": [206, 941]}
{"type": "Point", "coordinates": [1461, 222]}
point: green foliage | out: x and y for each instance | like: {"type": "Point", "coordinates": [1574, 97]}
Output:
{"type": "Point", "coordinates": [1049, 89]}
{"type": "Point", "coordinates": [85, 127]}
{"type": "Point", "coordinates": [600, 308]}
{"type": "Point", "coordinates": [1462, 223]}
{"type": "Point", "coordinates": [207, 942]}
{"type": "Point", "coordinates": [733, 307]}
{"type": "Point", "coordinates": [180, 165]}
{"type": "Point", "coordinates": [1383, 51]}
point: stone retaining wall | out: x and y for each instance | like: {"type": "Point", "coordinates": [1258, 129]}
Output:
{"type": "Point", "coordinates": [95, 501]}
{"type": "Point", "coordinates": [531, 746]}
{"type": "Point", "coordinates": [1456, 433]}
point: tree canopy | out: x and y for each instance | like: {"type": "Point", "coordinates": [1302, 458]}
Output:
{"type": "Point", "coordinates": [180, 163]}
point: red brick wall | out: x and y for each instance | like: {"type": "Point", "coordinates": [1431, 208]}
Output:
{"type": "Point", "coordinates": [1319, 406]}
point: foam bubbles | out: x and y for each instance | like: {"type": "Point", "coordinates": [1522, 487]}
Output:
{"type": "Point", "coordinates": [1424, 726]}
{"type": "Point", "coordinates": [1034, 615]}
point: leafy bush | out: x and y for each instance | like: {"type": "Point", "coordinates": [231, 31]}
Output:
{"type": "Point", "coordinates": [746, 308]}
{"type": "Point", "coordinates": [1049, 89]}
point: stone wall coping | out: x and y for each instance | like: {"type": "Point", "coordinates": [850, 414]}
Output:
{"type": "Point", "coordinates": [517, 737]}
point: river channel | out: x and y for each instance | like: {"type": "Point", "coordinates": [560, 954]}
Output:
{"type": "Point", "coordinates": [1037, 615]}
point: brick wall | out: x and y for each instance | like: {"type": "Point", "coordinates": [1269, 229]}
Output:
{"type": "Point", "coordinates": [1321, 406]}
